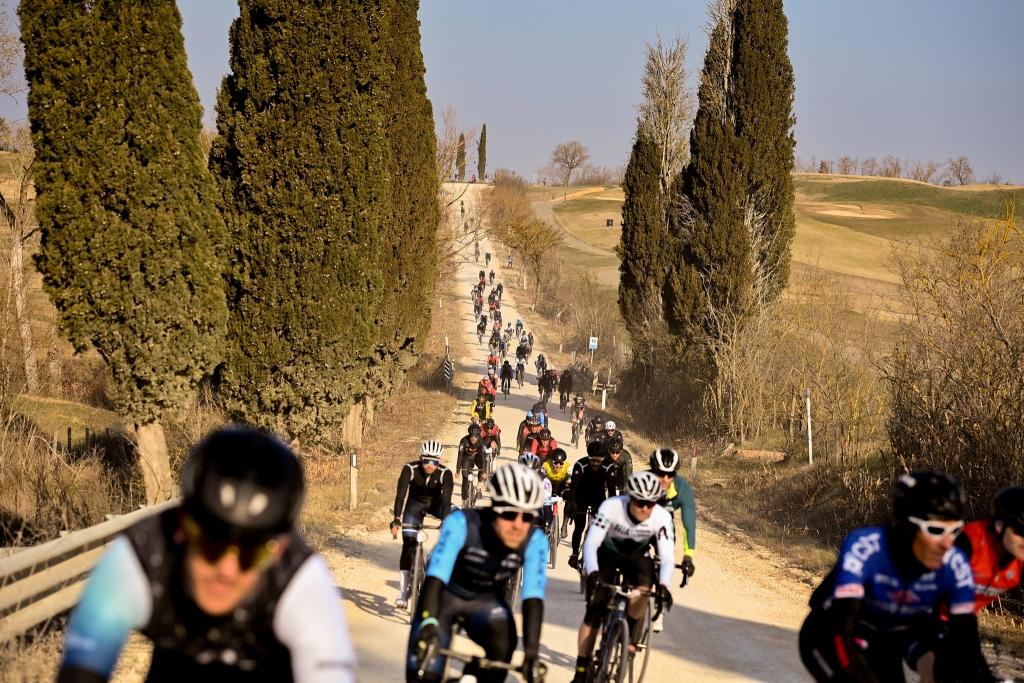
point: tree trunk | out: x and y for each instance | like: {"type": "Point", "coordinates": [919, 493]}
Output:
{"type": "Point", "coordinates": [28, 351]}
{"type": "Point", "coordinates": [154, 462]}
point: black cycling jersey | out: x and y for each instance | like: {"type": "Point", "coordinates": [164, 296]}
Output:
{"type": "Point", "coordinates": [432, 491]}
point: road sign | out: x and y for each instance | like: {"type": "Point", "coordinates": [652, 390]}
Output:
{"type": "Point", "coordinates": [593, 344]}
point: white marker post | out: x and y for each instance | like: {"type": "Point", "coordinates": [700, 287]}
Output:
{"type": "Point", "coordinates": [353, 482]}
{"type": "Point", "coordinates": [810, 438]}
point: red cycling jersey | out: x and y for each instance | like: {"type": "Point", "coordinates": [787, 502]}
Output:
{"type": "Point", "coordinates": [991, 579]}
{"type": "Point", "coordinates": [542, 448]}
{"type": "Point", "coordinates": [496, 431]}
{"type": "Point", "coordinates": [488, 388]}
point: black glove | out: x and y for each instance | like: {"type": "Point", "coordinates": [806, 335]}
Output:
{"type": "Point", "coordinates": [531, 669]}
{"type": "Point", "coordinates": [688, 567]}
{"type": "Point", "coordinates": [426, 637]}
{"type": "Point", "coordinates": [664, 597]}
{"type": "Point", "coordinates": [395, 524]}
{"type": "Point", "coordinates": [593, 579]}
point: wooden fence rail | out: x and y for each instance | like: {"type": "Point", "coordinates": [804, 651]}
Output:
{"type": "Point", "coordinates": [44, 581]}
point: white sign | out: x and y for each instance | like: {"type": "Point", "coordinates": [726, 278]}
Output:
{"type": "Point", "coordinates": [593, 344]}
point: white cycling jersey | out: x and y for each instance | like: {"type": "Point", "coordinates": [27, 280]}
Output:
{"type": "Point", "coordinates": [617, 531]}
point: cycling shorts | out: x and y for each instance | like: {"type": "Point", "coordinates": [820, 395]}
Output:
{"type": "Point", "coordinates": [635, 570]}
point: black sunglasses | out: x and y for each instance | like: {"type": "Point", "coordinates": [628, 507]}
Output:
{"type": "Point", "coordinates": [212, 550]}
{"type": "Point", "coordinates": [513, 515]}
{"type": "Point", "coordinates": [644, 503]}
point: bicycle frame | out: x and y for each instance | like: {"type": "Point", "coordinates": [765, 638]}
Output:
{"type": "Point", "coordinates": [419, 566]}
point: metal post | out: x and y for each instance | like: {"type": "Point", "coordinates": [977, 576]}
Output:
{"type": "Point", "coordinates": [604, 398]}
{"type": "Point", "coordinates": [810, 438]}
{"type": "Point", "coordinates": [69, 439]}
{"type": "Point", "coordinates": [353, 482]}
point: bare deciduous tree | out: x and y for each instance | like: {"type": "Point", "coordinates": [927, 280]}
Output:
{"type": "Point", "coordinates": [924, 171]}
{"type": "Point", "coordinates": [994, 179]}
{"type": "Point", "coordinates": [448, 146]}
{"type": "Point", "coordinates": [667, 108]}
{"type": "Point", "coordinates": [959, 170]}
{"type": "Point", "coordinates": [847, 165]}
{"type": "Point", "coordinates": [891, 167]}
{"type": "Point", "coordinates": [825, 166]}
{"type": "Point", "coordinates": [567, 157]}
{"type": "Point", "coordinates": [869, 166]}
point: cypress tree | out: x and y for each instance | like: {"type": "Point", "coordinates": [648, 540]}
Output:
{"type": "Point", "coordinates": [410, 260]}
{"type": "Point", "coordinates": [126, 208]}
{"type": "Point", "coordinates": [303, 168]}
{"type": "Point", "coordinates": [764, 122]}
{"type": "Point", "coordinates": [643, 242]}
{"type": "Point", "coordinates": [481, 155]}
{"type": "Point", "coordinates": [460, 159]}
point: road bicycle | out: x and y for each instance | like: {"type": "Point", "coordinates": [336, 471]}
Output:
{"type": "Point", "coordinates": [613, 660]}
{"type": "Point", "coordinates": [539, 673]}
{"type": "Point", "coordinates": [520, 374]}
{"type": "Point", "coordinates": [470, 491]}
{"type": "Point", "coordinates": [563, 399]}
{"type": "Point", "coordinates": [575, 424]}
{"type": "Point", "coordinates": [419, 565]}
{"type": "Point", "coordinates": [554, 530]}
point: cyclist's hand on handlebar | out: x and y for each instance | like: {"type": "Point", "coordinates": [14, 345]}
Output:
{"type": "Point", "coordinates": [688, 567]}
{"type": "Point", "coordinates": [396, 524]}
{"type": "Point", "coordinates": [427, 638]}
{"type": "Point", "coordinates": [593, 581]}
{"type": "Point", "coordinates": [664, 597]}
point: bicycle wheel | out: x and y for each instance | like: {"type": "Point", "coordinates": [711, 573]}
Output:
{"type": "Point", "coordinates": [645, 641]}
{"type": "Point", "coordinates": [553, 543]}
{"type": "Point", "coordinates": [512, 589]}
{"type": "Point", "coordinates": [614, 654]}
{"type": "Point", "coordinates": [416, 581]}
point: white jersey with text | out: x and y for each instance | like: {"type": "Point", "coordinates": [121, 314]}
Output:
{"type": "Point", "coordinates": [616, 530]}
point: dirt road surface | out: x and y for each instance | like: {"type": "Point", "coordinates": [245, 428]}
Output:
{"type": "Point", "coordinates": [735, 621]}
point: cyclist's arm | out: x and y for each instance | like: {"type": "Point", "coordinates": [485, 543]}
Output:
{"type": "Point", "coordinates": [116, 600]}
{"type": "Point", "coordinates": [535, 578]}
{"type": "Point", "coordinates": [447, 486]}
{"type": "Point", "coordinates": [442, 561]}
{"type": "Point", "coordinates": [687, 505]}
{"type": "Point", "coordinates": [310, 622]}
{"type": "Point", "coordinates": [852, 570]}
{"type": "Point", "coordinates": [595, 537]}
{"type": "Point", "coordinates": [403, 489]}
{"type": "Point", "coordinates": [666, 547]}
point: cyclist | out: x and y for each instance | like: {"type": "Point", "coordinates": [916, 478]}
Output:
{"type": "Point", "coordinates": [477, 553]}
{"type": "Point", "coordinates": [491, 273]}
{"type": "Point", "coordinates": [996, 548]}
{"type": "Point", "coordinates": [506, 377]}
{"type": "Point", "coordinates": [471, 454]}
{"type": "Point", "coordinates": [595, 429]}
{"type": "Point", "coordinates": [489, 386]}
{"type": "Point", "coordinates": [487, 261]}
{"type": "Point", "coordinates": [564, 388]}
{"type": "Point", "coordinates": [887, 586]}
{"type": "Point", "coordinates": [501, 290]}
{"type": "Point", "coordinates": [556, 469]}
{"type": "Point", "coordinates": [678, 495]}
{"type": "Point", "coordinates": [541, 411]}
{"type": "Point", "coordinates": [533, 462]}
{"type": "Point", "coordinates": [492, 356]}
{"type": "Point", "coordinates": [619, 463]}
{"type": "Point", "coordinates": [541, 364]}
{"type": "Point", "coordinates": [424, 487]}
{"type": "Point", "coordinates": [522, 429]}
{"type": "Point", "coordinates": [610, 432]}
{"type": "Point", "coordinates": [618, 541]}
{"type": "Point", "coordinates": [223, 584]}
{"type": "Point", "coordinates": [590, 488]}
{"type": "Point", "coordinates": [481, 327]}
{"type": "Point", "coordinates": [577, 412]}
{"type": "Point", "coordinates": [532, 431]}
{"type": "Point", "coordinates": [491, 433]}
{"type": "Point", "coordinates": [520, 371]}
{"type": "Point", "coordinates": [480, 408]}
{"type": "Point", "coordinates": [544, 444]}
{"type": "Point", "coordinates": [519, 327]}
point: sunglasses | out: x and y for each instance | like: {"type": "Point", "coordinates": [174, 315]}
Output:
{"type": "Point", "coordinates": [513, 515]}
{"type": "Point", "coordinates": [212, 550]}
{"type": "Point", "coordinates": [937, 529]}
{"type": "Point", "coordinates": [663, 475]}
{"type": "Point", "coordinates": [644, 503]}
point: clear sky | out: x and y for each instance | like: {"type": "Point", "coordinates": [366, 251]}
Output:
{"type": "Point", "coordinates": [918, 79]}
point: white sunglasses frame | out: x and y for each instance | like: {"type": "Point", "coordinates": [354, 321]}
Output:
{"type": "Point", "coordinates": [950, 528]}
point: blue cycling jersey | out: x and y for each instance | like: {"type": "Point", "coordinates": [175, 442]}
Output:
{"type": "Point", "coordinates": [865, 571]}
{"type": "Point", "coordinates": [469, 559]}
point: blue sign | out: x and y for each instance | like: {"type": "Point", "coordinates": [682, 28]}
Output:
{"type": "Point", "coordinates": [593, 344]}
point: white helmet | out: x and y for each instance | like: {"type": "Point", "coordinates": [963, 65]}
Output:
{"type": "Point", "coordinates": [664, 460]}
{"type": "Point", "coordinates": [644, 486]}
{"type": "Point", "coordinates": [516, 486]}
{"type": "Point", "coordinates": [529, 459]}
{"type": "Point", "coordinates": [431, 450]}
{"type": "Point", "coordinates": [609, 425]}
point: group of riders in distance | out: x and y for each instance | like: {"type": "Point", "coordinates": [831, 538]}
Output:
{"type": "Point", "coordinates": [227, 589]}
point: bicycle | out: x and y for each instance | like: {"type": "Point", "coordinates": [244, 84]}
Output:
{"type": "Point", "coordinates": [575, 424]}
{"type": "Point", "coordinates": [563, 400]}
{"type": "Point", "coordinates": [539, 673]}
{"type": "Point", "coordinates": [419, 566]}
{"type": "Point", "coordinates": [513, 588]}
{"type": "Point", "coordinates": [554, 531]}
{"type": "Point", "coordinates": [586, 529]}
{"type": "Point", "coordinates": [469, 501]}
{"type": "Point", "coordinates": [613, 658]}
{"type": "Point", "coordinates": [520, 374]}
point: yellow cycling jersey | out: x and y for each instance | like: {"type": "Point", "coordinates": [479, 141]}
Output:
{"type": "Point", "coordinates": [556, 475]}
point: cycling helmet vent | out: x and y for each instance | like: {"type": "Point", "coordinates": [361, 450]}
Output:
{"type": "Point", "coordinates": [664, 460]}
{"type": "Point", "coordinates": [609, 425]}
{"type": "Point", "coordinates": [529, 459]}
{"type": "Point", "coordinates": [928, 495]}
{"type": "Point", "coordinates": [643, 486]}
{"type": "Point", "coordinates": [517, 486]}
{"type": "Point", "coordinates": [432, 450]}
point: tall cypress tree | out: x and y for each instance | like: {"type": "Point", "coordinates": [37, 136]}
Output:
{"type": "Point", "coordinates": [460, 158]}
{"type": "Point", "coordinates": [643, 242]}
{"type": "Point", "coordinates": [764, 123]}
{"type": "Point", "coordinates": [481, 155]}
{"type": "Point", "coordinates": [410, 260]}
{"type": "Point", "coordinates": [303, 168]}
{"type": "Point", "coordinates": [126, 207]}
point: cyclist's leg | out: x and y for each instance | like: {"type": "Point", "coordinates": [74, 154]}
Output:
{"type": "Point", "coordinates": [579, 523]}
{"type": "Point", "coordinates": [638, 571]}
{"type": "Point", "coordinates": [413, 514]}
{"type": "Point", "coordinates": [491, 626]}
{"type": "Point", "coordinates": [450, 608]}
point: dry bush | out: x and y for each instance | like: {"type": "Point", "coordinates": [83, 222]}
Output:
{"type": "Point", "coordinates": [957, 375]}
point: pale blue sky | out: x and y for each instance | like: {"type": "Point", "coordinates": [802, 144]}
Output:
{"type": "Point", "coordinates": [918, 79]}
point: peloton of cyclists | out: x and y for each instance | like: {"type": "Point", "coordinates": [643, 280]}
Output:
{"type": "Point", "coordinates": [424, 487]}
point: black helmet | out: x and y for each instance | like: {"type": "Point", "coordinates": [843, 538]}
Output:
{"type": "Point", "coordinates": [489, 422]}
{"type": "Point", "coordinates": [596, 449]}
{"type": "Point", "coordinates": [615, 443]}
{"type": "Point", "coordinates": [927, 495]}
{"type": "Point", "coordinates": [545, 433]}
{"type": "Point", "coordinates": [1008, 506]}
{"type": "Point", "coordinates": [559, 456]}
{"type": "Point", "coordinates": [538, 407]}
{"type": "Point", "coordinates": [240, 484]}
{"type": "Point", "coordinates": [664, 460]}
{"type": "Point", "coordinates": [474, 430]}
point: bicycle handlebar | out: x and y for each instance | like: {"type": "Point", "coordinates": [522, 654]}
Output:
{"type": "Point", "coordinates": [485, 663]}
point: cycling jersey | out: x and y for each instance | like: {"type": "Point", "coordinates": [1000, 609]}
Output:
{"type": "Point", "coordinates": [679, 496]}
{"type": "Point", "coordinates": [995, 570]}
{"type": "Point", "coordinates": [433, 490]}
{"type": "Point", "coordinates": [542, 448]}
{"type": "Point", "coordinates": [554, 473]}
{"type": "Point", "coordinates": [470, 559]}
{"type": "Point", "coordinates": [506, 371]}
{"type": "Point", "coordinates": [865, 571]}
{"type": "Point", "coordinates": [616, 530]}
{"type": "Point", "coordinates": [480, 408]}
{"type": "Point", "coordinates": [290, 628]}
